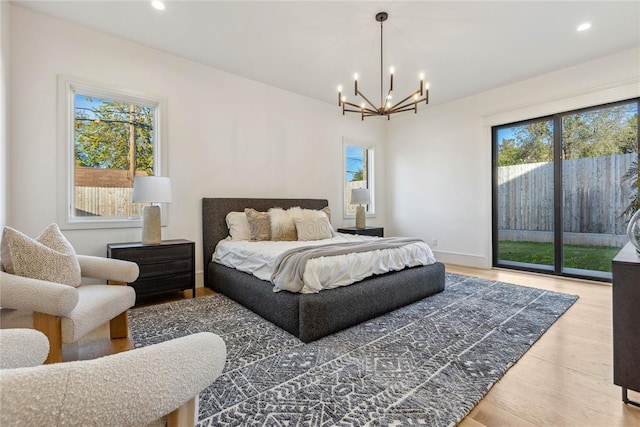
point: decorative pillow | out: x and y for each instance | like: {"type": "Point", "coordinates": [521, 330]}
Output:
{"type": "Point", "coordinates": [259, 224]}
{"type": "Point", "coordinates": [49, 257]}
{"type": "Point", "coordinates": [238, 226]}
{"type": "Point", "coordinates": [312, 213]}
{"type": "Point", "coordinates": [313, 228]}
{"type": "Point", "coordinates": [283, 228]}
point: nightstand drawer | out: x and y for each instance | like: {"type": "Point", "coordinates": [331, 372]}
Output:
{"type": "Point", "coordinates": [171, 266]}
{"type": "Point", "coordinates": [156, 285]}
{"type": "Point", "coordinates": [153, 254]}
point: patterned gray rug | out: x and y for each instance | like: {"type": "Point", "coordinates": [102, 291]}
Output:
{"type": "Point", "coordinates": [428, 363]}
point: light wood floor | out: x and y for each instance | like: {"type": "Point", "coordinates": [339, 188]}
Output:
{"type": "Point", "coordinates": [565, 379]}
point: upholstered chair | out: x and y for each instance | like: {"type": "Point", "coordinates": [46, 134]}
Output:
{"type": "Point", "coordinates": [66, 313]}
{"type": "Point", "coordinates": [153, 385]}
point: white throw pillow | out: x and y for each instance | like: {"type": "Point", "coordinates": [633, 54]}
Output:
{"type": "Point", "coordinates": [314, 228]}
{"type": "Point", "coordinates": [49, 257]}
{"type": "Point", "coordinates": [283, 228]}
{"type": "Point", "coordinates": [238, 226]}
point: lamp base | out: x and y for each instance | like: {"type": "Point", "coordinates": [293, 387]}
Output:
{"type": "Point", "coordinates": [151, 231]}
{"type": "Point", "coordinates": [361, 218]}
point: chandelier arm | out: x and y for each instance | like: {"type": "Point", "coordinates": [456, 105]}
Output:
{"type": "Point", "coordinates": [369, 102]}
{"type": "Point", "coordinates": [388, 95]}
{"type": "Point", "coordinates": [399, 104]}
{"type": "Point", "coordinates": [359, 108]}
{"type": "Point", "coordinates": [409, 104]}
{"type": "Point", "coordinates": [407, 108]}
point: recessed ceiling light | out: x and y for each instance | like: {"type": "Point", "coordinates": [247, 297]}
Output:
{"type": "Point", "coordinates": [584, 26]}
{"type": "Point", "coordinates": [158, 4]}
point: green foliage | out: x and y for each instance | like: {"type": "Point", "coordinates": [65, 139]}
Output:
{"type": "Point", "coordinates": [102, 135]}
{"type": "Point", "coordinates": [534, 142]}
{"type": "Point", "coordinates": [601, 132]}
{"type": "Point", "coordinates": [358, 175]}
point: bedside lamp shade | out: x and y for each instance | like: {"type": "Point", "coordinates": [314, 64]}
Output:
{"type": "Point", "coordinates": [151, 189]}
{"type": "Point", "coordinates": [360, 197]}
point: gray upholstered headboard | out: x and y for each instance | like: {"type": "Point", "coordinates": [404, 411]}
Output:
{"type": "Point", "coordinates": [215, 210]}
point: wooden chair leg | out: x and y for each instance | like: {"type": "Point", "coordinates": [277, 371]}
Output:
{"type": "Point", "coordinates": [184, 415]}
{"type": "Point", "coordinates": [119, 326]}
{"type": "Point", "coordinates": [51, 326]}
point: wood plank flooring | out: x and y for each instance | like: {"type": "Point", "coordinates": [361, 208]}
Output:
{"type": "Point", "coordinates": [565, 379]}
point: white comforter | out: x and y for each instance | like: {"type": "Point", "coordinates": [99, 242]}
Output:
{"type": "Point", "coordinates": [258, 258]}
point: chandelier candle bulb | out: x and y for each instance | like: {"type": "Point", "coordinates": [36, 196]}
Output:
{"type": "Point", "coordinates": [340, 98]}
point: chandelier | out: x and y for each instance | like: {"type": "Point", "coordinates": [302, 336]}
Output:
{"type": "Point", "coordinates": [386, 107]}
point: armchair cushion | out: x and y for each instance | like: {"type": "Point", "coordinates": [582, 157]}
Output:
{"type": "Point", "coordinates": [49, 257]}
{"type": "Point", "coordinates": [96, 303]}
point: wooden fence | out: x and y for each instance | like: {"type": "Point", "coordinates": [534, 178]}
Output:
{"type": "Point", "coordinates": [106, 201]}
{"type": "Point", "coordinates": [594, 196]}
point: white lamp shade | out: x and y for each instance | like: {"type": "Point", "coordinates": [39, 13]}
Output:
{"type": "Point", "coordinates": [151, 189]}
{"type": "Point", "coordinates": [360, 196]}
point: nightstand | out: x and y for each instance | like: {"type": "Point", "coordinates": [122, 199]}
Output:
{"type": "Point", "coordinates": [367, 231]}
{"type": "Point", "coordinates": [167, 267]}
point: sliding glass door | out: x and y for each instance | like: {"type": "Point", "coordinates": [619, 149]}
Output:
{"type": "Point", "coordinates": [565, 187]}
{"type": "Point", "coordinates": [525, 226]}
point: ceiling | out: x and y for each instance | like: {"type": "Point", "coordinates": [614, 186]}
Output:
{"type": "Point", "coordinates": [310, 47]}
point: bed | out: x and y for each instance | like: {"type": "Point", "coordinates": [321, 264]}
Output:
{"type": "Point", "coordinates": [308, 316]}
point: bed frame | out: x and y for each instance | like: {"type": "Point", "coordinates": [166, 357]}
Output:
{"type": "Point", "coordinates": [308, 316]}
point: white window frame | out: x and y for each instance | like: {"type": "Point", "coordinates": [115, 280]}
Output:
{"type": "Point", "coordinates": [371, 207]}
{"type": "Point", "coordinates": [67, 88]}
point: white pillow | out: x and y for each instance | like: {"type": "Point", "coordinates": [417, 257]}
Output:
{"type": "Point", "coordinates": [314, 228]}
{"type": "Point", "coordinates": [49, 257]}
{"type": "Point", "coordinates": [238, 226]}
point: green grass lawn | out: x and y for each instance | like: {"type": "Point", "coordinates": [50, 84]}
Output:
{"type": "Point", "coordinates": [575, 256]}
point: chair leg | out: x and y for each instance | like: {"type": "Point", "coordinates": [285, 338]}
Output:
{"type": "Point", "coordinates": [184, 415]}
{"type": "Point", "coordinates": [119, 326]}
{"type": "Point", "coordinates": [51, 326]}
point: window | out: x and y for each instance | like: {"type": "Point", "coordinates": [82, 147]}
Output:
{"type": "Point", "coordinates": [110, 136]}
{"type": "Point", "coordinates": [358, 173]}
{"type": "Point", "coordinates": [565, 187]}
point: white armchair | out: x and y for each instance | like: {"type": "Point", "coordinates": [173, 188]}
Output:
{"type": "Point", "coordinates": [134, 388]}
{"type": "Point", "coordinates": [64, 313]}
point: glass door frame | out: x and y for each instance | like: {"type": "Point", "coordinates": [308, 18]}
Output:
{"type": "Point", "coordinates": [558, 231]}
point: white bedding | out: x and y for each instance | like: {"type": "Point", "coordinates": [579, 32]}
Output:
{"type": "Point", "coordinates": [258, 258]}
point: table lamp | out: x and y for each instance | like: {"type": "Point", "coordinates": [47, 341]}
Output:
{"type": "Point", "coordinates": [360, 197]}
{"type": "Point", "coordinates": [151, 189]}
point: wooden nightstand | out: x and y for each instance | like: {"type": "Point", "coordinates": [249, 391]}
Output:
{"type": "Point", "coordinates": [367, 231]}
{"type": "Point", "coordinates": [167, 267]}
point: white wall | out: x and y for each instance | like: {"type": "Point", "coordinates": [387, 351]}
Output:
{"type": "Point", "coordinates": [227, 136]}
{"type": "Point", "coordinates": [439, 164]}
{"type": "Point", "coordinates": [230, 137]}
{"type": "Point", "coordinates": [5, 26]}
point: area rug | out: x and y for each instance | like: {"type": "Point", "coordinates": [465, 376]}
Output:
{"type": "Point", "coordinates": [428, 363]}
